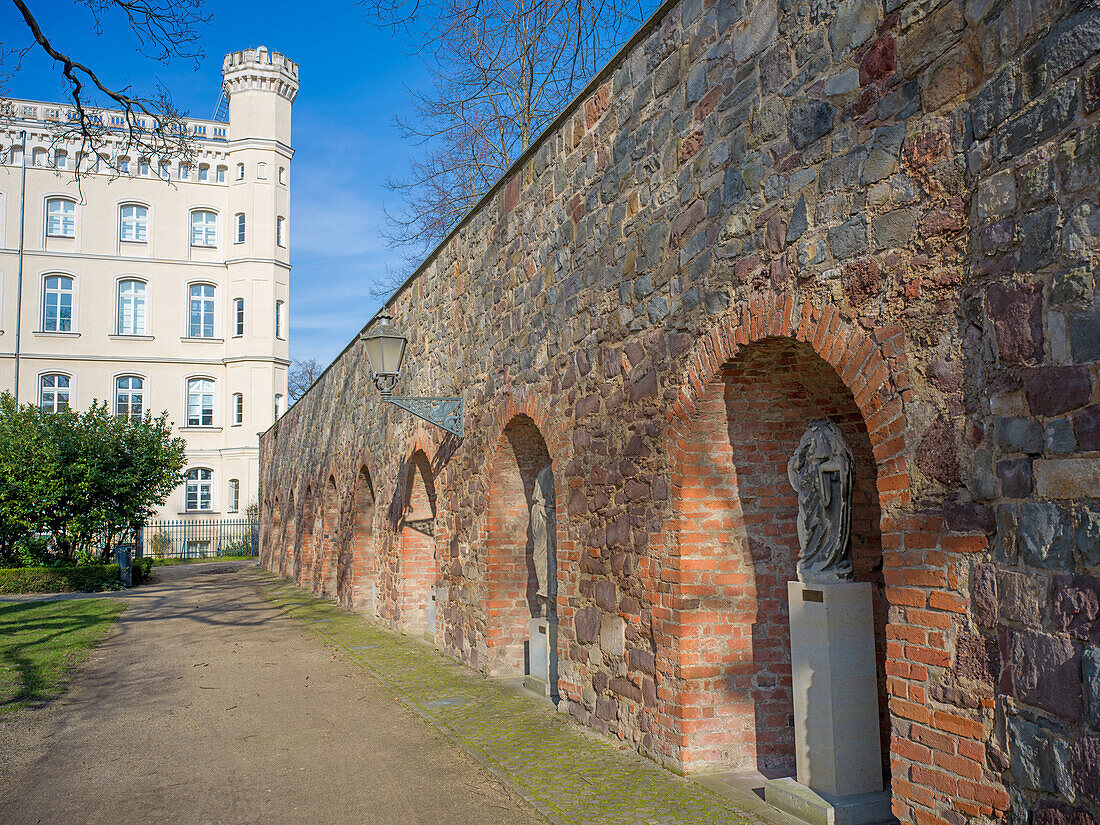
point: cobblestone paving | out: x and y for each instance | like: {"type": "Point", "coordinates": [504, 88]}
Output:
{"type": "Point", "coordinates": [565, 774]}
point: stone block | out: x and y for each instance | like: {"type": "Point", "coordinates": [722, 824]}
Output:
{"type": "Point", "coordinates": [1058, 437]}
{"type": "Point", "coordinates": [1022, 597]}
{"type": "Point", "coordinates": [996, 196]}
{"type": "Point", "coordinates": [1016, 477]}
{"type": "Point", "coordinates": [808, 121]}
{"type": "Point", "coordinates": [1040, 121]}
{"type": "Point", "coordinates": [612, 636]}
{"type": "Point", "coordinates": [1087, 533]}
{"type": "Point", "coordinates": [1029, 751]}
{"type": "Point", "coordinates": [1090, 670]}
{"type": "Point", "coordinates": [1085, 759]}
{"type": "Point", "coordinates": [1053, 812]}
{"type": "Point", "coordinates": [895, 229]}
{"type": "Point", "coordinates": [1067, 477]}
{"type": "Point", "coordinates": [1084, 334]}
{"type": "Point", "coordinates": [1054, 391]}
{"type": "Point", "coordinates": [1038, 237]}
{"type": "Point", "coordinates": [1001, 98]}
{"type": "Point", "coordinates": [1017, 318]}
{"type": "Point", "coordinates": [587, 625]}
{"type": "Point", "coordinates": [1071, 43]}
{"type": "Point", "coordinates": [1076, 607]}
{"type": "Point", "coordinates": [1005, 543]}
{"type": "Point", "coordinates": [1019, 435]}
{"type": "Point", "coordinates": [854, 23]}
{"type": "Point", "coordinates": [937, 453]}
{"type": "Point", "coordinates": [983, 595]}
{"type": "Point", "coordinates": [978, 659]}
{"type": "Point", "coordinates": [1046, 672]}
{"type": "Point", "coordinates": [1046, 536]}
{"type": "Point", "coordinates": [757, 30]}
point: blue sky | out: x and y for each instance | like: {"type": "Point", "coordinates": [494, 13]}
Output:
{"type": "Point", "coordinates": [353, 78]}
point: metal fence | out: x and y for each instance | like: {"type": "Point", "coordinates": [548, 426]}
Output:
{"type": "Point", "coordinates": [200, 539]}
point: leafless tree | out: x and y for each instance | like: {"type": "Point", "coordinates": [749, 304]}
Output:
{"type": "Point", "coordinates": [300, 377]}
{"type": "Point", "coordinates": [144, 126]}
{"type": "Point", "coordinates": [501, 71]}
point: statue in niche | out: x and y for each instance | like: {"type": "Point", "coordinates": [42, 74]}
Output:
{"type": "Point", "coordinates": [821, 473]}
{"type": "Point", "coordinates": [544, 537]}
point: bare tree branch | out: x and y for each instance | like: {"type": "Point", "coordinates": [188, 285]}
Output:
{"type": "Point", "coordinates": [300, 377]}
{"type": "Point", "coordinates": [148, 127]}
{"type": "Point", "coordinates": [501, 71]}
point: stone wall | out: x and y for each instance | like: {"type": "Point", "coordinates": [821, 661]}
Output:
{"type": "Point", "coordinates": [756, 215]}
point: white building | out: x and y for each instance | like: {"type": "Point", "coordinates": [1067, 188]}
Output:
{"type": "Point", "coordinates": [162, 286]}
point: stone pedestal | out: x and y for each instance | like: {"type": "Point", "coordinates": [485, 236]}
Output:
{"type": "Point", "coordinates": [836, 722]}
{"type": "Point", "coordinates": [542, 653]}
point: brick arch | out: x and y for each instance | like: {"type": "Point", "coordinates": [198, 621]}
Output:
{"type": "Point", "coordinates": [324, 573]}
{"type": "Point", "coordinates": [270, 538]}
{"type": "Point", "coordinates": [524, 401]}
{"type": "Point", "coordinates": [357, 565]}
{"type": "Point", "coordinates": [753, 383]}
{"type": "Point", "coordinates": [416, 540]}
{"type": "Point", "coordinates": [518, 456]}
{"type": "Point", "coordinates": [305, 545]}
{"type": "Point", "coordinates": [284, 549]}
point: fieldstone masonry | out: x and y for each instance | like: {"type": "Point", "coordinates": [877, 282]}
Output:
{"type": "Point", "coordinates": [760, 214]}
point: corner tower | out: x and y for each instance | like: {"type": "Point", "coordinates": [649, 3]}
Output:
{"type": "Point", "coordinates": [260, 86]}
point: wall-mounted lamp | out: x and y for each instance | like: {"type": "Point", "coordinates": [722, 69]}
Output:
{"type": "Point", "coordinates": [385, 347]}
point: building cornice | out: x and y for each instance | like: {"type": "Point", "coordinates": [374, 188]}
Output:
{"type": "Point", "coordinates": [151, 359]}
{"type": "Point", "coordinates": [92, 256]}
{"type": "Point", "coordinates": [275, 261]}
{"type": "Point", "coordinates": [259, 143]}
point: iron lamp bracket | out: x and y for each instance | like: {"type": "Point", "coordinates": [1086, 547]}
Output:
{"type": "Point", "coordinates": [447, 413]}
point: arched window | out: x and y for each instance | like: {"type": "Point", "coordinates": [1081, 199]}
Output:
{"type": "Point", "coordinates": [162, 169]}
{"type": "Point", "coordinates": [133, 223]}
{"type": "Point", "coordinates": [124, 165]}
{"type": "Point", "coordinates": [204, 228]}
{"type": "Point", "coordinates": [204, 173]}
{"type": "Point", "coordinates": [185, 171]}
{"type": "Point", "coordinates": [282, 175]}
{"type": "Point", "coordinates": [57, 304]}
{"type": "Point", "coordinates": [201, 322]}
{"type": "Point", "coordinates": [279, 318]}
{"type": "Point", "coordinates": [60, 218]}
{"type": "Point", "coordinates": [129, 397]}
{"type": "Point", "coordinates": [240, 171]}
{"type": "Point", "coordinates": [261, 170]}
{"type": "Point", "coordinates": [234, 495]}
{"type": "Point", "coordinates": [238, 408]}
{"type": "Point", "coordinates": [238, 317]}
{"type": "Point", "coordinates": [222, 171]}
{"type": "Point", "coordinates": [131, 307]}
{"type": "Point", "coordinates": [53, 392]}
{"type": "Point", "coordinates": [278, 406]}
{"type": "Point", "coordinates": [240, 228]}
{"type": "Point", "coordinates": [38, 157]}
{"type": "Point", "coordinates": [198, 481]}
{"type": "Point", "coordinates": [200, 402]}
{"type": "Point", "coordinates": [60, 159]}
{"type": "Point", "coordinates": [143, 166]}
{"type": "Point", "coordinates": [280, 231]}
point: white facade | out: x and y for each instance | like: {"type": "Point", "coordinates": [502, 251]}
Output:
{"type": "Point", "coordinates": [167, 285]}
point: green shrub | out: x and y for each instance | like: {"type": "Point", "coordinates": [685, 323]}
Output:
{"type": "Point", "coordinates": [88, 577]}
{"type": "Point", "coordinates": [140, 570]}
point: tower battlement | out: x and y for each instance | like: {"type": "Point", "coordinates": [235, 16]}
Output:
{"type": "Point", "coordinates": [260, 69]}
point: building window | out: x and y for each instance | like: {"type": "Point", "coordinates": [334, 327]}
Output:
{"type": "Point", "coordinates": [57, 304]}
{"type": "Point", "coordinates": [16, 156]}
{"type": "Point", "coordinates": [261, 171]}
{"type": "Point", "coordinates": [60, 159]}
{"type": "Point", "coordinates": [238, 316]}
{"type": "Point", "coordinates": [124, 165]}
{"type": "Point", "coordinates": [234, 495]}
{"type": "Point", "coordinates": [60, 218]}
{"type": "Point", "coordinates": [199, 482]}
{"type": "Point", "coordinates": [278, 406]}
{"type": "Point", "coordinates": [238, 408]}
{"type": "Point", "coordinates": [240, 228]}
{"type": "Point", "coordinates": [163, 169]}
{"type": "Point", "coordinates": [280, 230]}
{"type": "Point", "coordinates": [202, 311]}
{"type": "Point", "coordinates": [200, 402]}
{"type": "Point", "coordinates": [131, 307]}
{"type": "Point", "coordinates": [53, 393]}
{"type": "Point", "coordinates": [134, 223]}
{"type": "Point", "coordinates": [240, 171]}
{"type": "Point", "coordinates": [279, 319]}
{"type": "Point", "coordinates": [38, 157]}
{"type": "Point", "coordinates": [204, 173]}
{"type": "Point", "coordinates": [185, 172]}
{"type": "Point", "coordinates": [129, 397]}
{"type": "Point", "coordinates": [143, 167]}
{"type": "Point", "coordinates": [282, 174]}
{"type": "Point", "coordinates": [221, 174]}
{"type": "Point", "coordinates": [204, 228]}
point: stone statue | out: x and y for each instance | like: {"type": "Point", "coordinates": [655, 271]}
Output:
{"type": "Point", "coordinates": [544, 537]}
{"type": "Point", "coordinates": [821, 473]}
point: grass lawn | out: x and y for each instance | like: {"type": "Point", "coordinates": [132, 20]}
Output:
{"type": "Point", "coordinates": [42, 642]}
{"type": "Point", "coordinates": [166, 562]}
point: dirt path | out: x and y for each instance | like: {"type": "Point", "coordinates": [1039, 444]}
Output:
{"type": "Point", "coordinates": [207, 704]}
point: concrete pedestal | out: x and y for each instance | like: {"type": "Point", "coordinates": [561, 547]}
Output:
{"type": "Point", "coordinates": [837, 748]}
{"type": "Point", "coordinates": [542, 653]}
